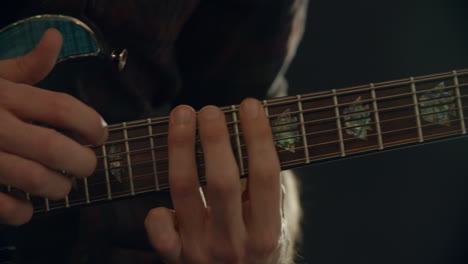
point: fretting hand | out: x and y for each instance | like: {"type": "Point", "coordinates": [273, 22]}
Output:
{"type": "Point", "coordinates": [234, 227]}
{"type": "Point", "coordinates": [31, 156]}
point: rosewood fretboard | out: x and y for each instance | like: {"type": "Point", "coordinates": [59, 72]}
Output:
{"type": "Point", "coordinates": [307, 128]}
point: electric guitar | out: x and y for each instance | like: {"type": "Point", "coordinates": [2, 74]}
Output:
{"type": "Point", "coordinates": [307, 128]}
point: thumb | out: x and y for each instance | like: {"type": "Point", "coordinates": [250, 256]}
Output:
{"type": "Point", "coordinates": [37, 64]}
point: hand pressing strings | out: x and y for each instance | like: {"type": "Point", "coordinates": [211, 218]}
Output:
{"type": "Point", "coordinates": [229, 229]}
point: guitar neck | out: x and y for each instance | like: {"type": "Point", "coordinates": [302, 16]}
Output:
{"type": "Point", "coordinates": [307, 128]}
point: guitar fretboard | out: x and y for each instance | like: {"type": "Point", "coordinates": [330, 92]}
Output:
{"type": "Point", "coordinates": [306, 128]}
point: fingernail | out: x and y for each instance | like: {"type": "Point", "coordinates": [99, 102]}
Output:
{"type": "Point", "coordinates": [182, 115]}
{"type": "Point", "coordinates": [251, 108]}
{"type": "Point", "coordinates": [103, 123]}
{"type": "Point", "coordinates": [210, 112]}
{"type": "Point", "coordinates": [106, 132]}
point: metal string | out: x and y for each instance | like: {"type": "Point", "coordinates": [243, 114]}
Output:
{"type": "Point", "coordinates": [323, 120]}
{"type": "Point", "coordinates": [289, 100]}
{"type": "Point", "coordinates": [291, 163]}
{"type": "Point", "coordinates": [298, 148]}
{"type": "Point", "coordinates": [145, 150]}
{"type": "Point", "coordinates": [164, 187]}
{"type": "Point", "coordinates": [334, 118]}
{"type": "Point", "coordinates": [149, 163]}
{"type": "Point", "coordinates": [312, 96]}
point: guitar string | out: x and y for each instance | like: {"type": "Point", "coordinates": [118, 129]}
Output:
{"type": "Point", "coordinates": [144, 150]}
{"type": "Point", "coordinates": [300, 161]}
{"type": "Point", "coordinates": [145, 126]}
{"type": "Point", "coordinates": [363, 111]}
{"type": "Point", "coordinates": [308, 134]}
{"type": "Point", "coordinates": [306, 123]}
{"type": "Point", "coordinates": [164, 187]}
{"type": "Point", "coordinates": [374, 147]}
{"type": "Point", "coordinates": [150, 162]}
{"type": "Point", "coordinates": [348, 138]}
{"type": "Point", "coordinates": [326, 94]}
{"type": "Point", "coordinates": [334, 118]}
{"type": "Point", "coordinates": [368, 135]}
{"type": "Point", "coordinates": [290, 100]}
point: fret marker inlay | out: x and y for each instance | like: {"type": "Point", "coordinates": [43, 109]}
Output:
{"type": "Point", "coordinates": [285, 130]}
{"type": "Point", "coordinates": [438, 105]}
{"type": "Point", "coordinates": [357, 119]}
{"type": "Point", "coordinates": [115, 162]}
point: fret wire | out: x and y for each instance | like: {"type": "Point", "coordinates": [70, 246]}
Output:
{"type": "Point", "coordinates": [153, 155]}
{"type": "Point", "coordinates": [296, 112]}
{"type": "Point", "coordinates": [80, 202]}
{"type": "Point", "coordinates": [288, 100]}
{"type": "Point", "coordinates": [338, 123]}
{"type": "Point", "coordinates": [129, 162]}
{"type": "Point", "coordinates": [397, 96]}
{"type": "Point", "coordinates": [47, 205]}
{"type": "Point", "coordinates": [376, 116]}
{"type": "Point", "coordinates": [304, 137]}
{"type": "Point", "coordinates": [459, 102]}
{"type": "Point", "coordinates": [265, 108]}
{"type": "Point", "coordinates": [363, 111]}
{"type": "Point", "coordinates": [290, 163]}
{"type": "Point", "coordinates": [362, 101]}
{"type": "Point", "coordinates": [318, 132]}
{"type": "Point", "coordinates": [8, 188]}
{"type": "Point", "coordinates": [28, 196]}
{"type": "Point", "coordinates": [379, 86]}
{"type": "Point", "coordinates": [325, 143]}
{"type": "Point", "coordinates": [239, 149]}
{"type": "Point", "coordinates": [415, 139]}
{"type": "Point", "coordinates": [106, 172]}
{"type": "Point", "coordinates": [67, 201]}
{"type": "Point", "coordinates": [416, 110]}
{"type": "Point", "coordinates": [459, 108]}
{"type": "Point", "coordinates": [85, 180]}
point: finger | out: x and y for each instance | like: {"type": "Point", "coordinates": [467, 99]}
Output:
{"type": "Point", "coordinates": [183, 179]}
{"type": "Point", "coordinates": [223, 190]}
{"type": "Point", "coordinates": [160, 224]}
{"type": "Point", "coordinates": [13, 211]}
{"type": "Point", "coordinates": [264, 169]}
{"type": "Point", "coordinates": [32, 177]}
{"type": "Point", "coordinates": [46, 146]}
{"type": "Point", "coordinates": [36, 65]}
{"type": "Point", "coordinates": [55, 109]}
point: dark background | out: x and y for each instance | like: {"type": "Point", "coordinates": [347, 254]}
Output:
{"type": "Point", "coordinates": [404, 206]}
